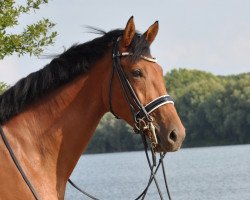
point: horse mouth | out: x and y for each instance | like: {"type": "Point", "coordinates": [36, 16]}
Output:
{"type": "Point", "coordinates": [163, 145]}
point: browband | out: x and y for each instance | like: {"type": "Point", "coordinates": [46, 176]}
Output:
{"type": "Point", "coordinates": [154, 60]}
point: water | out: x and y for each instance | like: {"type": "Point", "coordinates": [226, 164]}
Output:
{"type": "Point", "coordinates": [213, 173]}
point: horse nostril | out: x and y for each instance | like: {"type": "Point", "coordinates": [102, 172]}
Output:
{"type": "Point", "coordinates": [173, 136]}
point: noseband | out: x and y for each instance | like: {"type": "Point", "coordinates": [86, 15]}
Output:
{"type": "Point", "coordinates": [140, 113]}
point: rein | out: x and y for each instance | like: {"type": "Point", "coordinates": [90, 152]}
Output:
{"type": "Point", "coordinates": [143, 122]}
{"type": "Point", "coordinates": [18, 166]}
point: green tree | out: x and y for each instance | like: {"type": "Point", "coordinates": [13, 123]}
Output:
{"type": "Point", "coordinates": [177, 80]}
{"type": "Point", "coordinates": [32, 39]}
{"type": "Point", "coordinates": [114, 135]}
{"type": "Point", "coordinates": [3, 87]}
{"type": "Point", "coordinates": [214, 109]}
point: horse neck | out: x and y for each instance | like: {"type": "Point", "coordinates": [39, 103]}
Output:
{"type": "Point", "coordinates": [54, 131]}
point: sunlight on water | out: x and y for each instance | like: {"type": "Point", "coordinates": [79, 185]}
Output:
{"type": "Point", "coordinates": [213, 173]}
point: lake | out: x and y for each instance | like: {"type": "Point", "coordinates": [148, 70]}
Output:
{"type": "Point", "coordinates": [211, 173]}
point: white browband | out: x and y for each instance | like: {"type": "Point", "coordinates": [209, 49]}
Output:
{"type": "Point", "coordinates": [154, 60]}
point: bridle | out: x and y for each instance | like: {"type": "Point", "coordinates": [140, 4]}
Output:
{"type": "Point", "coordinates": [143, 122]}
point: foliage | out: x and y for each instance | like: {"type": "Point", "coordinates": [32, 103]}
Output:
{"type": "Point", "coordinates": [177, 80]}
{"type": "Point", "coordinates": [3, 87]}
{"type": "Point", "coordinates": [214, 109]}
{"type": "Point", "coordinates": [114, 135]}
{"type": "Point", "coordinates": [32, 39]}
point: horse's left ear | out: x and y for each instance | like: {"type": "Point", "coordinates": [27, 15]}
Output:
{"type": "Point", "coordinates": [151, 33]}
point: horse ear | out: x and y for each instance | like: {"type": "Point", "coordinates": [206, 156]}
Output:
{"type": "Point", "coordinates": [129, 32]}
{"type": "Point", "coordinates": [151, 33]}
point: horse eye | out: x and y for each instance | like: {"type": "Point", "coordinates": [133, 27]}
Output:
{"type": "Point", "coordinates": [137, 73]}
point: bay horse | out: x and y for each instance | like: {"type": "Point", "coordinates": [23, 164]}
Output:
{"type": "Point", "coordinates": [49, 117]}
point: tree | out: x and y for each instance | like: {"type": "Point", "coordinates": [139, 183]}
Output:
{"type": "Point", "coordinates": [114, 135]}
{"type": "Point", "coordinates": [177, 80]}
{"type": "Point", "coordinates": [214, 109]}
{"type": "Point", "coordinates": [32, 39]}
{"type": "Point", "coordinates": [3, 87]}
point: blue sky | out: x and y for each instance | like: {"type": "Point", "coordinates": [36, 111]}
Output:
{"type": "Point", "coordinates": [210, 35]}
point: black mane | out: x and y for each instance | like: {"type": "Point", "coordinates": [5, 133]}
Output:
{"type": "Point", "coordinates": [62, 69]}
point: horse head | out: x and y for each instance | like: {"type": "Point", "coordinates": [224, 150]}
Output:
{"type": "Point", "coordinates": [137, 92]}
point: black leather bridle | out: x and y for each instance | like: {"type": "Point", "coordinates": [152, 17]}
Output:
{"type": "Point", "coordinates": [142, 123]}
{"type": "Point", "coordinates": [141, 117]}
{"type": "Point", "coordinates": [140, 113]}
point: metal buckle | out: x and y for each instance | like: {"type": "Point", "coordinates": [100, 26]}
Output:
{"type": "Point", "coordinates": [147, 128]}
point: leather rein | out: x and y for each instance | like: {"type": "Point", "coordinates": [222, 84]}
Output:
{"type": "Point", "coordinates": [143, 122]}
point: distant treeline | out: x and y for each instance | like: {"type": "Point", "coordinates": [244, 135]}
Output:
{"type": "Point", "coordinates": [214, 109]}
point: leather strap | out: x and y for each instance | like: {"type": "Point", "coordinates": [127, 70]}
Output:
{"type": "Point", "coordinates": [18, 164]}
